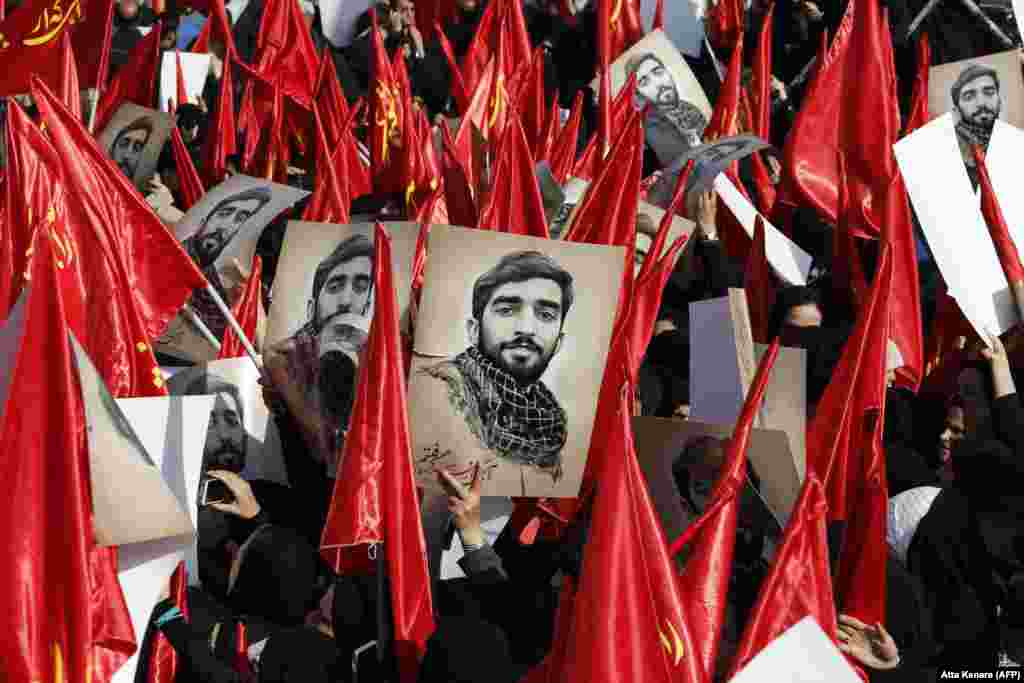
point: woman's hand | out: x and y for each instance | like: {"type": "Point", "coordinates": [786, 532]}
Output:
{"type": "Point", "coordinates": [245, 504]}
{"type": "Point", "coordinates": [872, 646]}
{"type": "Point", "coordinates": [464, 505]}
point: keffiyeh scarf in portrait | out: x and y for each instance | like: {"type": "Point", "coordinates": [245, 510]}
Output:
{"type": "Point", "coordinates": [977, 134]}
{"type": "Point", "coordinates": [523, 423]}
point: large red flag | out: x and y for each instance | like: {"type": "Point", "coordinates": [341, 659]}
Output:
{"type": "Point", "coordinates": [188, 177]}
{"type": "Point", "coordinates": [759, 285]}
{"type": "Point", "coordinates": [30, 38]}
{"type": "Point", "coordinates": [844, 449]}
{"type": "Point", "coordinates": [131, 273]}
{"type": "Point", "coordinates": [627, 620]}
{"type": "Point", "coordinates": [67, 87]}
{"type": "Point", "coordinates": [65, 620]}
{"type": "Point", "coordinates": [1009, 258]}
{"type": "Point", "coordinates": [135, 82]}
{"type": "Point", "coordinates": [618, 27]}
{"type": "Point", "coordinates": [851, 110]}
{"type": "Point", "coordinates": [712, 538]}
{"type": "Point", "coordinates": [799, 583]}
{"type": "Point", "coordinates": [514, 204]}
{"type": "Point", "coordinates": [375, 493]}
{"type": "Point", "coordinates": [247, 312]}
{"type": "Point", "coordinates": [501, 31]}
{"type": "Point", "coordinates": [285, 54]}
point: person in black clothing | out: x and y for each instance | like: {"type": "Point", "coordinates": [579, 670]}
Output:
{"type": "Point", "coordinates": [969, 547]}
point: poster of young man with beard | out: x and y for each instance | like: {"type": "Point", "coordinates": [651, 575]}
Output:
{"type": "Point", "coordinates": [679, 109]}
{"type": "Point", "coordinates": [511, 342]}
{"type": "Point", "coordinates": [978, 91]}
{"type": "Point", "coordinates": [322, 309]}
{"type": "Point", "coordinates": [134, 138]}
{"type": "Point", "coordinates": [241, 437]}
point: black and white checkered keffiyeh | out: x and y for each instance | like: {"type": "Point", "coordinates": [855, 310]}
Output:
{"type": "Point", "coordinates": [522, 423]}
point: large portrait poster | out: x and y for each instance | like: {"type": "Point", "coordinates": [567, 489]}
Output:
{"type": "Point", "coordinates": [511, 342]}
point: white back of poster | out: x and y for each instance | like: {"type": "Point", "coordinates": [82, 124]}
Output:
{"type": "Point", "coordinates": [803, 654]}
{"type": "Point", "coordinates": [195, 68]}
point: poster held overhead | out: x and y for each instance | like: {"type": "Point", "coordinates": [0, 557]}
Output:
{"type": "Point", "coordinates": [803, 654]}
{"type": "Point", "coordinates": [195, 68]}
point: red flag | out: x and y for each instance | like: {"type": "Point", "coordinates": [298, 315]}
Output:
{"type": "Point", "coordinates": [919, 115]}
{"type": "Point", "coordinates": [643, 634]}
{"type": "Point", "coordinates": [247, 312]}
{"type": "Point", "coordinates": [285, 53]}
{"type": "Point", "coordinates": [386, 118]}
{"type": "Point", "coordinates": [135, 82]}
{"type": "Point", "coordinates": [760, 286]}
{"type": "Point", "coordinates": [458, 192]}
{"type": "Point", "coordinates": [67, 87]}
{"type": "Point", "coordinates": [181, 93]}
{"type": "Point", "coordinates": [724, 23]}
{"type": "Point", "coordinates": [618, 27]}
{"type": "Point", "coordinates": [761, 80]}
{"type": "Point", "coordinates": [482, 48]}
{"type": "Point", "coordinates": [458, 88]}
{"type": "Point", "coordinates": [31, 36]}
{"type": "Point", "coordinates": [515, 204]}
{"type": "Point", "coordinates": [799, 583]}
{"type": "Point", "coordinates": [431, 15]}
{"type": "Point", "coordinates": [705, 580]}
{"type": "Point", "coordinates": [163, 659]}
{"type": "Point", "coordinates": [375, 493]}
{"type": "Point", "coordinates": [134, 271]}
{"type": "Point", "coordinates": [188, 178]}
{"type": "Point", "coordinates": [850, 110]}
{"type": "Point", "coordinates": [906, 329]}
{"type": "Point", "coordinates": [330, 202]}
{"type": "Point", "coordinates": [1009, 259]}
{"type": "Point", "coordinates": [725, 118]}
{"type": "Point", "coordinates": [531, 98]}
{"type": "Point", "coordinates": [589, 164]}
{"type": "Point", "coordinates": [217, 29]}
{"type": "Point", "coordinates": [607, 214]}
{"type": "Point", "coordinates": [330, 99]}
{"type": "Point", "coordinates": [659, 16]}
{"type": "Point", "coordinates": [563, 151]}
{"type": "Point", "coordinates": [242, 666]}
{"type": "Point", "coordinates": [844, 449]}
{"type": "Point", "coordinates": [221, 141]}
{"type": "Point", "coordinates": [65, 618]}
{"type": "Point", "coordinates": [552, 126]}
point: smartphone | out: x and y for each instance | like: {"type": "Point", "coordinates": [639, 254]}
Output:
{"type": "Point", "coordinates": [214, 491]}
{"type": "Point", "coordinates": [366, 663]}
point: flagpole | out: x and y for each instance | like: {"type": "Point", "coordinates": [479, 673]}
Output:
{"type": "Point", "coordinates": [234, 324]}
{"type": "Point", "coordinates": [94, 101]}
{"type": "Point", "coordinates": [201, 326]}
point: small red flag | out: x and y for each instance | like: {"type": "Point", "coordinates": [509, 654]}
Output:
{"type": "Point", "coordinates": [188, 178]}
{"type": "Point", "coordinates": [135, 81]}
{"type": "Point", "coordinates": [386, 117]}
{"type": "Point", "coordinates": [163, 659]}
{"type": "Point", "coordinates": [725, 117]}
{"type": "Point", "coordinates": [32, 36]}
{"type": "Point", "coordinates": [81, 631]}
{"type": "Point", "coordinates": [761, 79]}
{"type": "Point", "coordinates": [242, 666]}
{"type": "Point", "coordinates": [919, 114]}
{"type": "Point", "coordinates": [724, 23]}
{"type": "Point", "coordinates": [514, 204]}
{"type": "Point", "coordinates": [589, 164]}
{"type": "Point", "coordinates": [799, 583]}
{"type": "Point", "coordinates": [760, 286]}
{"type": "Point", "coordinates": [285, 54]}
{"type": "Point", "coordinates": [531, 98]}
{"type": "Point", "coordinates": [247, 312]}
{"type": "Point", "coordinates": [1009, 258]}
{"type": "Point", "coordinates": [180, 90]}
{"type": "Point", "coordinates": [217, 29]}
{"type": "Point", "coordinates": [458, 192]}
{"type": "Point", "coordinates": [330, 202]}
{"type": "Point", "coordinates": [221, 141]}
{"type": "Point", "coordinates": [458, 88]}
{"type": "Point", "coordinates": [374, 497]}
{"type": "Point", "coordinates": [330, 98]}
{"type": "Point", "coordinates": [563, 151]}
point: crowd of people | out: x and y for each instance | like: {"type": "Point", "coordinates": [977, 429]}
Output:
{"type": "Point", "coordinates": [954, 455]}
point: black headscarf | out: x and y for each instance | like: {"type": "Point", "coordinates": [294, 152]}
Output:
{"type": "Point", "coordinates": [300, 655]}
{"type": "Point", "coordinates": [467, 651]}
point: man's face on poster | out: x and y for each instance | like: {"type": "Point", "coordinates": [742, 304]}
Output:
{"type": "Point", "coordinates": [343, 304]}
{"type": "Point", "coordinates": [225, 438]}
{"type": "Point", "coordinates": [128, 148]}
{"type": "Point", "coordinates": [654, 84]}
{"type": "Point", "coordinates": [221, 226]}
{"type": "Point", "coordinates": [980, 103]}
{"type": "Point", "coordinates": [520, 329]}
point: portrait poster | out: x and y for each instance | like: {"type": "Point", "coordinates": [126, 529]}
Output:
{"type": "Point", "coordinates": [322, 309]}
{"type": "Point", "coordinates": [195, 67]}
{"type": "Point", "coordinates": [681, 461]}
{"type": "Point", "coordinates": [680, 110]}
{"type": "Point", "coordinates": [804, 653]}
{"type": "Point", "coordinates": [134, 138]}
{"type": "Point", "coordinates": [511, 342]}
{"type": "Point", "coordinates": [950, 217]}
{"type": "Point", "coordinates": [220, 232]}
{"type": "Point", "coordinates": [241, 436]}
{"type": "Point", "coordinates": [708, 162]}
{"type": "Point", "coordinates": [978, 92]}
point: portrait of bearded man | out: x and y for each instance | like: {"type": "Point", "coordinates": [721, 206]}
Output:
{"type": "Point", "coordinates": [977, 103]}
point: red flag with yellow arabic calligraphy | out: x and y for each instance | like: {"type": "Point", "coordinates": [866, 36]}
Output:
{"type": "Point", "coordinates": [131, 273]}
{"type": "Point", "coordinates": [31, 35]}
{"type": "Point", "coordinates": [386, 118]}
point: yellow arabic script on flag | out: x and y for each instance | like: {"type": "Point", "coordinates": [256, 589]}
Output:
{"type": "Point", "coordinates": [48, 25]}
